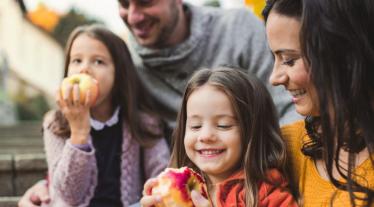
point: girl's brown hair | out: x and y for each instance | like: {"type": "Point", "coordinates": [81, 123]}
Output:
{"type": "Point", "coordinates": [254, 109]}
{"type": "Point", "coordinates": [127, 92]}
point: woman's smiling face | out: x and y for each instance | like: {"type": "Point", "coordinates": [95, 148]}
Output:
{"type": "Point", "coordinates": [289, 68]}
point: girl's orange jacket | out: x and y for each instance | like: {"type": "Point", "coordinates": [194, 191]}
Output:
{"type": "Point", "coordinates": [231, 192]}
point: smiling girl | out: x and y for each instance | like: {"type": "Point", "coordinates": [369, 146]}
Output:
{"type": "Point", "coordinates": [227, 130]}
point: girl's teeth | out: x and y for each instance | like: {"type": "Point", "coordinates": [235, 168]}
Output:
{"type": "Point", "coordinates": [210, 152]}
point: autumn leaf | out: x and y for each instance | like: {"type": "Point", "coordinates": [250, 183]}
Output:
{"type": "Point", "coordinates": [43, 17]}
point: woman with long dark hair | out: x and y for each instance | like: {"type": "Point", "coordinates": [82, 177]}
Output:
{"type": "Point", "coordinates": [324, 56]}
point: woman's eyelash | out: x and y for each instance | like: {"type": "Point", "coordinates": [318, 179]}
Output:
{"type": "Point", "coordinates": [290, 62]}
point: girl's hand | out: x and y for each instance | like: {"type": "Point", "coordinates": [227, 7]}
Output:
{"type": "Point", "coordinates": [198, 200]}
{"type": "Point", "coordinates": [76, 113]}
{"type": "Point", "coordinates": [148, 199]}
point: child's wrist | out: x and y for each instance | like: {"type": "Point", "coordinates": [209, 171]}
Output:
{"type": "Point", "coordinates": [79, 138]}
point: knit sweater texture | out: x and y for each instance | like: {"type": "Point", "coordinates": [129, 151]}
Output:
{"type": "Point", "coordinates": [231, 192]}
{"type": "Point", "coordinates": [314, 190]}
{"type": "Point", "coordinates": [232, 37]}
{"type": "Point", "coordinates": [73, 172]}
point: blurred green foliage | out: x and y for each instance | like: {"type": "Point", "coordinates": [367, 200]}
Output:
{"type": "Point", "coordinates": [67, 24]}
{"type": "Point", "coordinates": [30, 108]}
{"type": "Point", "coordinates": [214, 3]}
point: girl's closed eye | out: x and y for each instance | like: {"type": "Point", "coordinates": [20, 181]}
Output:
{"type": "Point", "coordinates": [225, 126]}
{"type": "Point", "coordinates": [195, 127]}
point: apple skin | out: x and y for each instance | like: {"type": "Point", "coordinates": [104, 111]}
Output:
{"type": "Point", "coordinates": [85, 83]}
{"type": "Point", "coordinates": [175, 185]}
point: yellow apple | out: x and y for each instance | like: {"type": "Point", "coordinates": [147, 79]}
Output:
{"type": "Point", "coordinates": [175, 186]}
{"type": "Point", "coordinates": [85, 83]}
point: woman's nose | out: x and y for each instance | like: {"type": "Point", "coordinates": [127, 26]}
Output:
{"type": "Point", "coordinates": [278, 77]}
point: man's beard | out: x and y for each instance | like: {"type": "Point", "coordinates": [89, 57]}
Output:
{"type": "Point", "coordinates": [167, 30]}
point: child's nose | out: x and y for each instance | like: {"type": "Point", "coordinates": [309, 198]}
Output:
{"type": "Point", "coordinates": [207, 135]}
{"type": "Point", "coordinates": [85, 68]}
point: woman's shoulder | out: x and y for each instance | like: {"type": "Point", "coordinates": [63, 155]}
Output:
{"type": "Point", "coordinates": [293, 136]}
{"type": "Point", "coordinates": [293, 132]}
{"type": "Point", "coordinates": [294, 128]}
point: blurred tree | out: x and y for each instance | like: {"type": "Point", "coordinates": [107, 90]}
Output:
{"type": "Point", "coordinates": [67, 24]}
{"type": "Point", "coordinates": [30, 107]}
{"type": "Point", "coordinates": [44, 17]}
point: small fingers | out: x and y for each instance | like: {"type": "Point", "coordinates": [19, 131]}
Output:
{"type": "Point", "coordinates": [76, 94]}
{"type": "Point", "coordinates": [152, 182]}
{"type": "Point", "coordinates": [58, 99]}
{"type": "Point", "coordinates": [67, 94]}
{"type": "Point", "coordinates": [42, 193]}
{"type": "Point", "coordinates": [87, 101]}
{"type": "Point", "coordinates": [150, 200]}
{"type": "Point", "coordinates": [30, 199]}
{"type": "Point", "coordinates": [199, 200]}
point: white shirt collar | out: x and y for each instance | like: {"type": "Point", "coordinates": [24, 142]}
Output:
{"type": "Point", "coordinates": [98, 125]}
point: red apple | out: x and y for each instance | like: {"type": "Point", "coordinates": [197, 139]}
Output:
{"type": "Point", "coordinates": [85, 83]}
{"type": "Point", "coordinates": [175, 185]}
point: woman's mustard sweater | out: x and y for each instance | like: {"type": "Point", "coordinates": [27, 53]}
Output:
{"type": "Point", "coordinates": [313, 189]}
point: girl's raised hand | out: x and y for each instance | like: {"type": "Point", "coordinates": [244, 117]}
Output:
{"type": "Point", "coordinates": [199, 200]}
{"type": "Point", "coordinates": [76, 113]}
{"type": "Point", "coordinates": [148, 199]}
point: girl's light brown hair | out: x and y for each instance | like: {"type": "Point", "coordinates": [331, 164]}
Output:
{"type": "Point", "coordinates": [263, 148]}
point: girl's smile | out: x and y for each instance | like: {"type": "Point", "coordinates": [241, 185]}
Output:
{"type": "Point", "coordinates": [212, 139]}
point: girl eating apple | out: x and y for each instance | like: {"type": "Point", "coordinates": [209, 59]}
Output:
{"type": "Point", "coordinates": [99, 150]}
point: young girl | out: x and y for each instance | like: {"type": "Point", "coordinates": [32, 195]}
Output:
{"type": "Point", "coordinates": [228, 130]}
{"type": "Point", "coordinates": [97, 155]}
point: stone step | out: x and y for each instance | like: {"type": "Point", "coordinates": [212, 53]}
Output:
{"type": "Point", "coordinates": [26, 128]}
{"type": "Point", "coordinates": [22, 138]}
{"type": "Point", "coordinates": [9, 201]}
{"type": "Point", "coordinates": [22, 160]}
{"type": "Point", "coordinates": [20, 171]}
